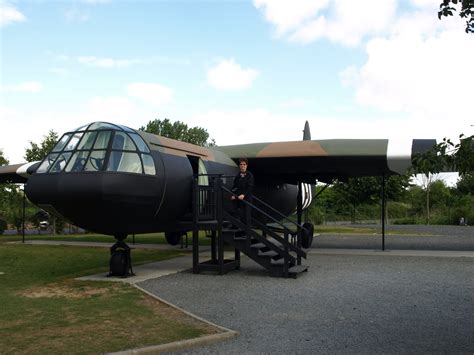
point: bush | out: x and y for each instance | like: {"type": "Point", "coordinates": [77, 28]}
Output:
{"type": "Point", "coordinates": [406, 220]}
{"type": "Point", "coordinates": [316, 216]}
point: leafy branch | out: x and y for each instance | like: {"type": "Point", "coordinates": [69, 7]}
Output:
{"type": "Point", "coordinates": [467, 11]}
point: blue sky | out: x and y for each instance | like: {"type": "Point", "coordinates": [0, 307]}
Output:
{"type": "Point", "coordinates": [247, 71]}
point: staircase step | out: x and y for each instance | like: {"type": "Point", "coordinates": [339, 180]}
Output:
{"type": "Point", "coordinates": [278, 261]}
{"type": "Point", "coordinates": [258, 246]}
{"type": "Point", "coordinates": [270, 253]}
{"type": "Point", "coordinates": [298, 269]}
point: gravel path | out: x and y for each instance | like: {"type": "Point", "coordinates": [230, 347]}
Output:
{"type": "Point", "coordinates": [361, 304]}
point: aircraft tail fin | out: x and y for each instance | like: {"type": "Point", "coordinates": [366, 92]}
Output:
{"type": "Point", "coordinates": [306, 132]}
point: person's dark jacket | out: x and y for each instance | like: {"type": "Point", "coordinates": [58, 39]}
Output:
{"type": "Point", "coordinates": [243, 185]}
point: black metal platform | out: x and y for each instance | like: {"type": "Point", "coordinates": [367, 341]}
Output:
{"type": "Point", "coordinates": [279, 253]}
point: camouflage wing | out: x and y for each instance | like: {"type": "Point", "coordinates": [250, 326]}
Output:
{"type": "Point", "coordinates": [326, 160]}
{"type": "Point", "coordinates": [18, 173]}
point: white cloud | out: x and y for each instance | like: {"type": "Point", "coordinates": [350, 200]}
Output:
{"type": "Point", "coordinates": [107, 62]}
{"type": "Point", "coordinates": [229, 75]}
{"type": "Point", "coordinates": [29, 86]}
{"type": "Point", "coordinates": [9, 14]}
{"type": "Point", "coordinates": [421, 70]}
{"type": "Point", "coordinates": [350, 22]}
{"type": "Point", "coordinates": [154, 94]}
{"type": "Point", "coordinates": [342, 21]}
{"type": "Point", "coordinates": [288, 15]}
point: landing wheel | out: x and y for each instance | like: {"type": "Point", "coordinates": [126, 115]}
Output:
{"type": "Point", "coordinates": [307, 235]}
{"type": "Point", "coordinates": [173, 238]}
{"type": "Point", "coordinates": [120, 258]}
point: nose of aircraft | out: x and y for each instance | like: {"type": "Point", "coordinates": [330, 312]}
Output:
{"type": "Point", "coordinates": [102, 177]}
{"type": "Point", "coordinates": [101, 202]}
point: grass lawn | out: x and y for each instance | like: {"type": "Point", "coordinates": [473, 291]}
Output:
{"type": "Point", "coordinates": [159, 238]}
{"type": "Point", "coordinates": [152, 238]}
{"type": "Point", "coordinates": [44, 310]}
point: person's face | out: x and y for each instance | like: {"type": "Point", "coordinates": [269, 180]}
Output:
{"type": "Point", "coordinates": [243, 167]}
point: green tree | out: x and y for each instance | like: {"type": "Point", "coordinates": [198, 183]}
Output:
{"type": "Point", "coordinates": [446, 8]}
{"type": "Point", "coordinates": [3, 160]}
{"type": "Point", "coordinates": [357, 191]}
{"type": "Point", "coordinates": [39, 151]}
{"type": "Point", "coordinates": [179, 131]}
{"type": "Point", "coordinates": [465, 184]}
{"type": "Point", "coordinates": [445, 156]}
{"type": "Point", "coordinates": [3, 193]}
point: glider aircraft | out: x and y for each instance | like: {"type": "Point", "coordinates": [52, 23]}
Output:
{"type": "Point", "coordinates": [115, 180]}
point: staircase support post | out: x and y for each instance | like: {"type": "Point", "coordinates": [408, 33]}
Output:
{"type": "Point", "coordinates": [248, 224]}
{"type": "Point", "coordinates": [213, 247]}
{"type": "Point", "coordinates": [383, 212]}
{"type": "Point", "coordinates": [218, 205]}
{"type": "Point", "coordinates": [299, 212]}
{"type": "Point", "coordinates": [195, 227]}
{"type": "Point", "coordinates": [286, 259]}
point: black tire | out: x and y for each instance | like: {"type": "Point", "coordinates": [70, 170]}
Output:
{"type": "Point", "coordinates": [119, 263]}
{"type": "Point", "coordinates": [173, 238]}
{"type": "Point", "coordinates": [307, 235]}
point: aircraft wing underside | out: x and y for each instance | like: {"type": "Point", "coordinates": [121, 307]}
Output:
{"type": "Point", "coordinates": [325, 160]}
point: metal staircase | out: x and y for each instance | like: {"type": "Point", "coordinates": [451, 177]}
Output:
{"type": "Point", "coordinates": [277, 247]}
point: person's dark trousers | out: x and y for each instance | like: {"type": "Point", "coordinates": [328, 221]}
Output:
{"type": "Point", "coordinates": [239, 210]}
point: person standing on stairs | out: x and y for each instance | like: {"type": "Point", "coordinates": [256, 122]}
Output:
{"type": "Point", "coordinates": [242, 188]}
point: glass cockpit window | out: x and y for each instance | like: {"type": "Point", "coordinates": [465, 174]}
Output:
{"type": "Point", "coordinates": [60, 163]}
{"type": "Point", "coordinates": [73, 141]}
{"type": "Point", "coordinates": [148, 164]}
{"type": "Point", "coordinates": [100, 146]}
{"type": "Point", "coordinates": [102, 125]}
{"type": "Point", "coordinates": [122, 142]}
{"type": "Point", "coordinates": [142, 147]}
{"type": "Point", "coordinates": [102, 140]}
{"type": "Point", "coordinates": [77, 161]}
{"type": "Point", "coordinates": [96, 161]}
{"type": "Point", "coordinates": [62, 143]}
{"type": "Point", "coordinates": [87, 140]}
{"type": "Point", "coordinates": [47, 163]}
{"type": "Point", "coordinates": [125, 162]}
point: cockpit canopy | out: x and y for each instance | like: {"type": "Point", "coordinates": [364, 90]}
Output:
{"type": "Point", "coordinates": [100, 146]}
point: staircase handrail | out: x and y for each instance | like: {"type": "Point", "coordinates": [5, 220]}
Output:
{"type": "Point", "coordinates": [285, 228]}
{"type": "Point", "coordinates": [279, 213]}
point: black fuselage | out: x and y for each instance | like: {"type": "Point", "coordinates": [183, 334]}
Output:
{"type": "Point", "coordinates": [115, 203]}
